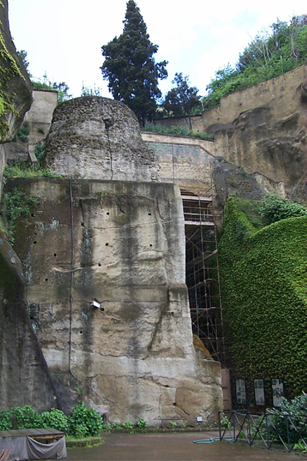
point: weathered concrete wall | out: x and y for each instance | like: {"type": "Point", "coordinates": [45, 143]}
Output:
{"type": "Point", "coordinates": [134, 356]}
{"type": "Point", "coordinates": [24, 376]}
{"type": "Point", "coordinates": [98, 138]}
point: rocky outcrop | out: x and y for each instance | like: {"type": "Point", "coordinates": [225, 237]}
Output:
{"type": "Point", "coordinates": [98, 138]}
{"type": "Point", "coordinates": [263, 129]}
{"type": "Point", "coordinates": [24, 376]}
{"type": "Point", "coordinates": [15, 88]}
{"type": "Point", "coordinates": [104, 265]}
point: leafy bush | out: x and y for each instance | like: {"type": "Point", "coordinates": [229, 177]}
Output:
{"type": "Point", "coordinates": [26, 418]}
{"type": "Point", "coordinates": [84, 422]}
{"type": "Point", "coordinates": [56, 419]}
{"type": "Point", "coordinates": [275, 208]}
{"type": "Point", "coordinates": [23, 132]}
{"type": "Point", "coordinates": [297, 409]}
{"type": "Point", "coordinates": [128, 425]}
{"type": "Point", "coordinates": [5, 420]}
{"type": "Point", "coordinates": [39, 151]}
{"type": "Point", "coordinates": [142, 424]}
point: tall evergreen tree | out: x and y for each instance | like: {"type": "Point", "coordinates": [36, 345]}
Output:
{"type": "Point", "coordinates": [130, 68]}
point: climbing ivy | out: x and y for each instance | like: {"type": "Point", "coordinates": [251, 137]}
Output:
{"type": "Point", "coordinates": [16, 204]}
{"type": "Point", "coordinates": [264, 292]}
{"type": "Point", "coordinates": [8, 70]}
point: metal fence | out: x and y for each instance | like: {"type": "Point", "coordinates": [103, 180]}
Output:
{"type": "Point", "coordinates": [268, 429]}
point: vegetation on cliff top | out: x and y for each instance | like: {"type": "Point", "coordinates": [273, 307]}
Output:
{"type": "Point", "coordinates": [275, 52]}
{"type": "Point", "coordinates": [176, 131]}
{"type": "Point", "coordinates": [264, 291]}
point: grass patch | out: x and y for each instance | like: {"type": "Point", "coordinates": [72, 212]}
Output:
{"type": "Point", "coordinates": [176, 131]}
{"type": "Point", "coordinates": [21, 169]}
{"type": "Point", "coordinates": [74, 442]}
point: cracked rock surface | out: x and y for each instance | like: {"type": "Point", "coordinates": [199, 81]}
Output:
{"type": "Point", "coordinates": [98, 138]}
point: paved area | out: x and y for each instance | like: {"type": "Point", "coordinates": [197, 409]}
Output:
{"type": "Point", "coordinates": [173, 447]}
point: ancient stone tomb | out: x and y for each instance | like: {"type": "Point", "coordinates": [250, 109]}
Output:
{"type": "Point", "coordinates": [104, 263]}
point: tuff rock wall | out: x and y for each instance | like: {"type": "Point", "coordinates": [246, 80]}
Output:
{"type": "Point", "coordinates": [263, 129]}
{"type": "Point", "coordinates": [98, 138]}
{"type": "Point", "coordinates": [122, 245]}
{"type": "Point", "coordinates": [24, 375]}
{"type": "Point", "coordinates": [15, 87]}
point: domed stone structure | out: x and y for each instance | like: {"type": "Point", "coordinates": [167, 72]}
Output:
{"type": "Point", "coordinates": [98, 138]}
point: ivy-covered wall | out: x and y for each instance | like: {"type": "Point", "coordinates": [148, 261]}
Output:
{"type": "Point", "coordinates": [264, 288]}
{"type": "Point", "coordinates": [15, 85]}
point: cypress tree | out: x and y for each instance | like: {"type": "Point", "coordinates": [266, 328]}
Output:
{"type": "Point", "coordinates": [130, 68]}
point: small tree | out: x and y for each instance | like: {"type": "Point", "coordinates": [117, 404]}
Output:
{"type": "Point", "coordinates": [130, 68]}
{"type": "Point", "coordinates": [183, 99]}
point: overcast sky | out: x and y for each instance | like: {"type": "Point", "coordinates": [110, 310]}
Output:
{"type": "Point", "coordinates": [63, 38]}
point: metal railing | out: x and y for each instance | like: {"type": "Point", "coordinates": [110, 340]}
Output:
{"type": "Point", "coordinates": [264, 428]}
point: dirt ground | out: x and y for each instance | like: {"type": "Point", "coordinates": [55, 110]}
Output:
{"type": "Point", "coordinates": [174, 447]}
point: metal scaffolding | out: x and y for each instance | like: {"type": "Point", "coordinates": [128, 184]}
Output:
{"type": "Point", "coordinates": [202, 273]}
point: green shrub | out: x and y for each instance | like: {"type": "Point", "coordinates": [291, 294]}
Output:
{"type": "Point", "coordinates": [142, 424]}
{"type": "Point", "coordinates": [275, 208]}
{"type": "Point", "coordinates": [297, 408]}
{"type": "Point", "coordinates": [26, 418]}
{"type": "Point", "coordinates": [23, 132]}
{"type": "Point", "coordinates": [84, 422]}
{"type": "Point", "coordinates": [56, 419]}
{"type": "Point", "coordinates": [128, 425]}
{"type": "Point", "coordinates": [39, 151]}
{"type": "Point", "coordinates": [5, 420]}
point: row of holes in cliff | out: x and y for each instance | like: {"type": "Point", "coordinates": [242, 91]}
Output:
{"type": "Point", "coordinates": [108, 122]}
{"type": "Point", "coordinates": [72, 270]}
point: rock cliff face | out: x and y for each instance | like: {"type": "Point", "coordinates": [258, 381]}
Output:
{"type": "Point", "coordinates": [98, 138]}
{"type": "Point", "coordinates": [263, 129]}
{"type": "Point", "coordinates": [15, 87]}
{"type": "Point", "coordinates": [121, 245]}
{"type": "Point", "coordinates": [15, 90]}
{"type": "Point", "coordinates": [104, 264]}
{"type": "Point", "coordinates": [24, 376]}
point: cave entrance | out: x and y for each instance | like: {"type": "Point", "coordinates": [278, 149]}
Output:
{"type": "Point", "coordinates": [202, 273]}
